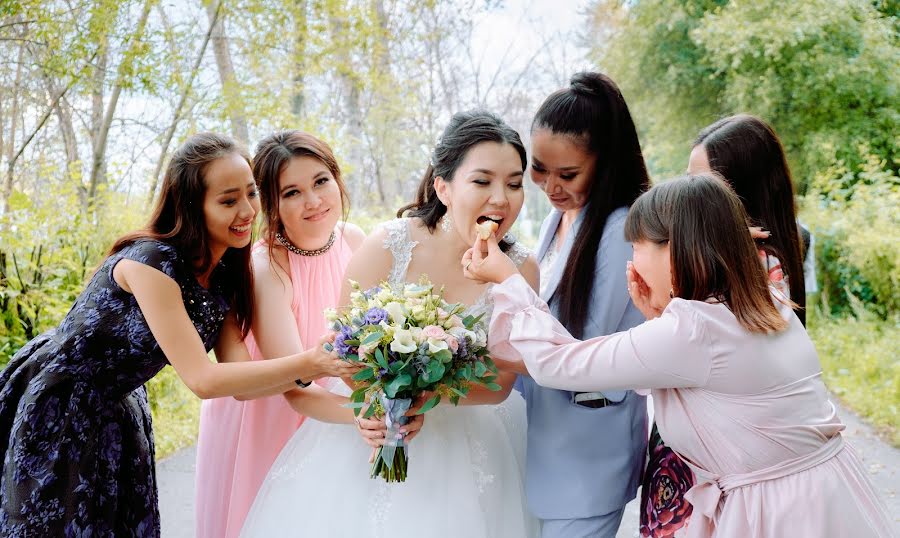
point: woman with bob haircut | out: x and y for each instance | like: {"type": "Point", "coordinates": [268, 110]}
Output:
{"type": "Point", "coordinates": [736, 382]}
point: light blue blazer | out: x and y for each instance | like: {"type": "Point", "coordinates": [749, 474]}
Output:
{"type": "Point", "coordinates": [584, 462]}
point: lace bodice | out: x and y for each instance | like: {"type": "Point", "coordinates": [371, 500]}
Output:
{"type": "Point", "coordinates": [399, 241]}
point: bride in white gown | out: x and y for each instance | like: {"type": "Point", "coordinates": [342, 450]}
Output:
{"type": "Point", "coordinates": [466, 466]}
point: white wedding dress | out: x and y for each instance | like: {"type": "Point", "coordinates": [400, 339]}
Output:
{"type": "Point", "coordinates": [466, 468]}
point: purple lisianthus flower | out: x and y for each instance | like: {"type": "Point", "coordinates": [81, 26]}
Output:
{"type": "Point", "coordinates": [463, 351]}
{"type": "Point", "coordinates": [371, 292]}
{"type": "Point", "coordinates": [346, 333]}
{"type": "Point", "coordinates": [376, 315]}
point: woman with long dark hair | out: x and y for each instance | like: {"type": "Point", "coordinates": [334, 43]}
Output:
{"type": "Point", "coordinates": [736, 382]}
{"type": "Point", "coordinates": [585, 449]}
{"type": "Point", "coordinates": [746, 151]}
{"type": "Point", "coordinates": [75, 432]}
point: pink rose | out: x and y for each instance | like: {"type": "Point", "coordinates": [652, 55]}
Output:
{"type": "Point", "coordinates": [453, 343]}
{"type": "Point", "coordinates": [433, 331]}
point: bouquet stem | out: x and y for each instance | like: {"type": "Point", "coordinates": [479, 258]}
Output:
{"type": "Point", "coordinates": [396, 472]}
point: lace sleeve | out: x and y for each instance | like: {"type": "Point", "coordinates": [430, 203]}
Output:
{"type": "Point", "coordinates": [401, 245]}
{"type": "Point", "coordinates": [518, 254]}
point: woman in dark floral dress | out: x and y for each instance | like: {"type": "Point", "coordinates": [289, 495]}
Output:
{"type": "Point", "coordinates": [745, 151]}
{"type": "Point", "coordinates": [75, 429]}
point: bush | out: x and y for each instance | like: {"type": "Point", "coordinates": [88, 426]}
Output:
{"type": "Point", "coordinates": [857, 233]}
{"type": "Point", "coordinates": [176, 412]}
{"type": "Point", "coordinates": [861, 365]}
{"type": "Point", "coordinates": [49, 248]}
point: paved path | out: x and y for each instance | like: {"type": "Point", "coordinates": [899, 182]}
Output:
{"type": "Point", "coordinates": [176, 481]}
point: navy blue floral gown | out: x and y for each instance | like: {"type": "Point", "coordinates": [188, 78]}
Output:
{"type": "Point", "coordinates": [75, 427]}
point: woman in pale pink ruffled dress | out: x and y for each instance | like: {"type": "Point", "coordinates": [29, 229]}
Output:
{"type": "Point", "coordinates": [736, 382]}
{"type": "Point", "coordinates": [298, 272]}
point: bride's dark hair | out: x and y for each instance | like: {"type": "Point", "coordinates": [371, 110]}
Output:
{"type": "Point", "coordinates": [465, 131]}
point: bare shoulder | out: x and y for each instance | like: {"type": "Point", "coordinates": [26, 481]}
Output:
{"type": "Point", "coordinates": [353, 234]}
{"type": "Point", "coordinates": [265, 260]}
{"type": "Point", "coordinates": [372, 259]}
{"type": "Point", "coordinates": [270, 266]}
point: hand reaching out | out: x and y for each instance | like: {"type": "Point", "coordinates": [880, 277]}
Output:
{"type": "Point", "coordinates": [328, 363]}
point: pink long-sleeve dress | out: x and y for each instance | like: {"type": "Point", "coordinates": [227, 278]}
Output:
{"type": "Point", "coordinates": [239, 441]}
{"type": "Point", "coordinates": [748, 412]}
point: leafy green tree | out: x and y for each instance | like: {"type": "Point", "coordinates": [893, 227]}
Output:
{"type": "Point", "coordinates": [822, 72]}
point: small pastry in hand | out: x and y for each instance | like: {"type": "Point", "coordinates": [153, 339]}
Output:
{"type": "Point", "coordinates": [486, 229]}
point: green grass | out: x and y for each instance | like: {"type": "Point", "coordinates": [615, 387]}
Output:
{"type": "Point", "coordinates": [861, 364]}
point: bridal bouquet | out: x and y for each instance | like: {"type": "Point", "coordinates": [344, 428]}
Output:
{"type": "Point", "coordinates": [411, 343]}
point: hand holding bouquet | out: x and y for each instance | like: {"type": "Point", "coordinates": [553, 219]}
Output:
{"type": "Point", "coordinates": [411, 343]}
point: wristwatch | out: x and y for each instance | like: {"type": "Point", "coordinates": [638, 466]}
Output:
{"type": "Point", "coordinates": [302, 384]}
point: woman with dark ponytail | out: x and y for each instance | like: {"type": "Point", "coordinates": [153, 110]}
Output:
{"type": "Point", "coordinates": [585, 449]}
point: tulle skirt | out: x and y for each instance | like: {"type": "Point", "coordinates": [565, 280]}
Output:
{"type": "Point", "coordinates": [466, 470]}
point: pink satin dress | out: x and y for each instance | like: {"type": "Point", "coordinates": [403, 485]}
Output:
{"type": "Point", "coordinates": [747, 412]}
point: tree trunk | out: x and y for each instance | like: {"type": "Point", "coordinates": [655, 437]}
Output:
{"type": "Point", "coordinates": [226, 75]}
{"type": "Point", "coordinates": [170, 131]}
{"type": "Point", "coordinates": [350, 107]}
{"type": "Point", "coordinates": [98, 166]}
{"type": "Point", "coordinates": [11, 142]}
{"type": "Point", "coordinates": [382, 60]}
{"type": "Point", "coordinates": [98, 96]}
{"type": "Point", "coordinates": [300, 27]}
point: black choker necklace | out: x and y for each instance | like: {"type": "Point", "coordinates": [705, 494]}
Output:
{"type": "Point", "coordinates": [297, 250]}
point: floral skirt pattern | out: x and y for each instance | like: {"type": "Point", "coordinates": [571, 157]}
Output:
{"type": "Point", "coordinates": [664, 510]}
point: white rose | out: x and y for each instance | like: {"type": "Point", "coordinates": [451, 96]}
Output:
{"type": "Point", "coordinates": [417, 334]}
{"type": "Point", "coordinates": [461, 333]}
{"type": "Point", "coordinates": [385, 295]}
{"type": "Point", "coordinates": [397, 313]}
{"type": "Point", "coordinates": [481, 338]}
{"type": "Point", "coordinates": [330, 314]}
{"type": "Point", "coordinates": [403, 342]}
{"type": "Point", "coordinates": [414, 290]}
{"type": "Point", "coordinates": [435, 345]}
{"type": "Point", "coordinates": [418, 312]}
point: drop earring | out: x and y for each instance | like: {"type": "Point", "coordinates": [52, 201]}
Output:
{"type": "Point", "coordinates": [447, 222]}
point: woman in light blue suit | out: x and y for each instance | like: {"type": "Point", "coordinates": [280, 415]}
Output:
{"type": "Point", "coordinates": [585, 450]}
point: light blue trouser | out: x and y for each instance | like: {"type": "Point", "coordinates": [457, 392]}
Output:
{"type": "Point", "coordinates": [605, 526]}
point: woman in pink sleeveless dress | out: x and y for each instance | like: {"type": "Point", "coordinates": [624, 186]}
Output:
{"type": "Point", "coordinates": [298, 271]}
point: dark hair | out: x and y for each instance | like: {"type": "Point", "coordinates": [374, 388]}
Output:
{"type": "Point", "coordinates": [593, 113]}
{"type": "Point", "coordinates": [748, 154]}
{"type": "Point", "coordinates": [273, 154]}
{"type": "Point", "coordinates": [711, 250]}
{"type": "Point", "coordinates": [178, 219]}
{"type": "Point", "coordinates": [465, 131]}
